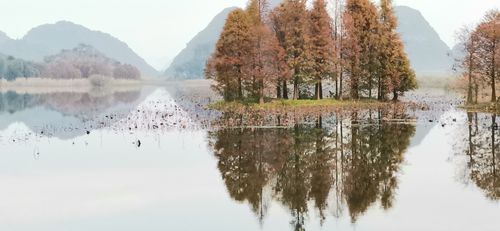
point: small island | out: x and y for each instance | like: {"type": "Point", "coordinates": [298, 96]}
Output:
{"type": "Point", "coordinates": [292, 56]}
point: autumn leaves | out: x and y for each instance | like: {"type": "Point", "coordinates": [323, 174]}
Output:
{"type": "Point", "coordinates": [481, 61]}
{"type": "Point", "coordinates": [262, 53]}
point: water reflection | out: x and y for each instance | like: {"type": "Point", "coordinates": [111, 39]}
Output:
{"type": "Point", "coordinates": [482, 149]}
{"type": "Point", "coordinates": [67, 115]}
{"type": "Point", "coordinates": [146, 158]}
{"type": "Point", "coordinates": [82, 104]}
{"type": "Point", "coordinates": [347, 162]}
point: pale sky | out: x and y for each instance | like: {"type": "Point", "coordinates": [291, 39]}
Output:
{"type": "Point", "coordinates": [158, 29]}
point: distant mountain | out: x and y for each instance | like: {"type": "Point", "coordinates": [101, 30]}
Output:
{"type": "Point", "coordinates": [50, 39]}
{"type": "Point", "coordinates": [428, 53]}
{"type": "Point", "coordinates": [83, 62]}
{"type": "Point", "coordinates": [189, 64]}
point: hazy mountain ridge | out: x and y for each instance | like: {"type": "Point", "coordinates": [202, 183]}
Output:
{"type": "Point", "coordinates": [50, 39]}
{"type": "Point", "coordinates": [84, 61]}
{"type": "Point", "coordinates": [189, 63]}
{"type": "Point", "coordinates": [429, 55]}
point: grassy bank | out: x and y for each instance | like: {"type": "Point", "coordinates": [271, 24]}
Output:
{"type": "Point", "coordinates": [483, 107]}
{"type": "Point", "coordinates": [297, 104]}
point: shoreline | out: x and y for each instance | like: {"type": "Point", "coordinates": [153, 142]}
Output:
{"type": "Point", "coordinates": [307, 105]}
{"type": "Point", "coordinates": [491, 108]}
{"type": "Point", "coordinates": [47, 85]}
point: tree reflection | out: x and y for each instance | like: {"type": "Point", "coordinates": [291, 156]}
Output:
{"type": "Point", "coordinates": [483, 148]}
{"type": "Point", "coordinates": [335, 162]}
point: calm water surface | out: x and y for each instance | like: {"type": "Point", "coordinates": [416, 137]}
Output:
{"type": "Point", "coordinates": [153, 159]}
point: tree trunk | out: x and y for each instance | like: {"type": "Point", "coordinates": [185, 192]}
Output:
{"type": "Point", "coordinates": [255, 89]}
{"type": "Point", "coordinates": [261, 91]}
{"type": "Point", "coordinates": [493, 88]}
{"type": "Point", "coordinates": [295, 89]}
{"type": "Point", "coordinates": [336, 87]}
{"type": "Point", "coordinates": [379, 91]}
{"type": "Point", "coordinates": [469, 92]}
{"type": "Point", "coordinates": [285, 90]}
{"type": "Point", "coordinates": [354, 91]}
{"type": "Point", "coordinates": [318, 91]}
{"type": "Point", "coordinates": [476, 92]}
{"type": "Point", "coordinates": [395, 95]}
{"type": "Point", "coordinates": [370, 86]}
{"type": "Point", "coordinates": [278, 90]}
{"type": "Point", "coordinates": [493, 74]}
{"type": "Point", "coordinates": [354, 84]}
{"type": "Point", "coordinates": [341, 76]}
{"type": "Point", "coordinates": [240, 89]}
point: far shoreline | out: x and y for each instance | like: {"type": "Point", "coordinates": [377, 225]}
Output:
{"type": "Point", "coordinates": [50, 85]}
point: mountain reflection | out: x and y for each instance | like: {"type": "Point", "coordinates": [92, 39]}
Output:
{"type": "Point", "coordinates": [85, 104]}
{"type": "Point", "coordinates": [336, 162]}
{"type": "Point", "coordinates": [66, 114]}
{"type": "Point", "coordinates": [128, 110]}
{"type": "Point", "coordinates": [482, 149]}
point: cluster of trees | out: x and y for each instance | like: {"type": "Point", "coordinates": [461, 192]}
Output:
{"type": "Point", "coordinates": [85, 61]}
{"type": "Point", "coordinates": [345, 161]}
{"type": "Point", "coordinates": [12, 68]}
{"type": "Point", "coordinates": [263, 52]}
{"type": "Point", "coordinates": [480, 62]}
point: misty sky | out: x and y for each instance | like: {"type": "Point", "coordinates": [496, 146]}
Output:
{"type": "Point", "coordinates": [158, 29]}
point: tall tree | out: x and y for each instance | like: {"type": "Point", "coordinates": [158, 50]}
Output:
{"type": "Point", "coordinates": [350, 54]}
{"type": "Point", "coordinates": [257, 10]}
{"type": "Point", "coordinates": [322, 46]}
{"type": "Point", "coordinates": [468, 64]}
{"type": "Point", "coordinates": [489, 36]}
{"type": "Point", "coordinates": [370, 46]}
{"type": "Point", "coordinates": [387, 49]}
{"type": "Point", "coordinates": [226, 66]}
{"type": "Point", "coordinates": [395, 74]}
{"type": "Point", "coordinates": [266, 64]}
{"type": "Point", "coordinates": [338, 29]}
{"type": "Point", "coordinates": [291, 26]}
{"type": "Point", "coordinates": [405, 79]}
{"type": "Point", "coordinates": [361, 40]}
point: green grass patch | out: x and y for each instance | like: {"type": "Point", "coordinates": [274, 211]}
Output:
{"type": "Point", "coordinates": [483, 107]}
{"type": "Point", "coordinates": [294, 104]}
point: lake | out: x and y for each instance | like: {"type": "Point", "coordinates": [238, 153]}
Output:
{"type": "Point", "coordinates": [155, 159]}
